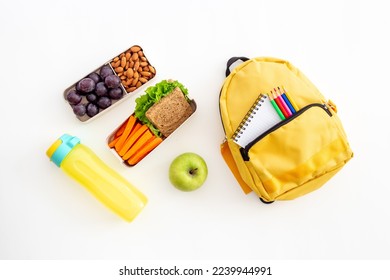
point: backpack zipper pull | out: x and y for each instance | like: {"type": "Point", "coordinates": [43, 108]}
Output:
{"type": "Point", "coordinates": [332, 105]}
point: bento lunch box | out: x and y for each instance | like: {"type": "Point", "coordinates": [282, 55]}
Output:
{"type": "Point", "coordinates": [110, 83]}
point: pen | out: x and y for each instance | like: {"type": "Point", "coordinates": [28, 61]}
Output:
{"type": "Point", "coordinates": [276, 107]}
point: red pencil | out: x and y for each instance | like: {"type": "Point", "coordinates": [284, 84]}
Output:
{"type": "Point", "coordinates": [278, 102]}
{"type": "Point", "coordinates": [284, 104]}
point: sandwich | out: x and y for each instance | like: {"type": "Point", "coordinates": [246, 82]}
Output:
{"type": "Point", "coordinates": [157, 114]}
{"type": "Point", "coordinates": [164, 107]}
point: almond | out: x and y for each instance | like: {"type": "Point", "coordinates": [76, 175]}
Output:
{"type": "Point", "coordinates": [142, 80]}
{"type": "Point", "coordinates": [136, 65]}
{"type": "Point", "coordinates": [123, 61]}
{"type": "Point", "coordinates": [127, 82]}
{"type": "Point", "coordinates": [129, 73]}
{"type": "Point", "coordinates": [128, 55]}
{"type": "Point", "coordinates": [135, 81]}
{"type": "Point", "coordinates": [135, 49]}
{"type": "Point", "coordinates": [134, 57]}
{"type": "Point", "coordinates": [152, 70]}
{"type": "Point", "coordinates": [119, 69]}
{"type": "Point", "coordinates": [146, 74]}
{"type": "Point", "coordinates": [116, 64]}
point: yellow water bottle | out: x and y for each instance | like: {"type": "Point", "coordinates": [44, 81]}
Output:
{"type": "Point", "coordinates": [83, 165]}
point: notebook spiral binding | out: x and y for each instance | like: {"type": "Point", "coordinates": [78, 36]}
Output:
{"type": "Point", "coordinates": [248, 117]}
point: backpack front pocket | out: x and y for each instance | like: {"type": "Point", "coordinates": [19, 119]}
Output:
{"type": "Point", "coordinates": [297, 150]}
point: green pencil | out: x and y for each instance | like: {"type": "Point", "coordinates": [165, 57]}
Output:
{"type": "Point", "coordinates": [276, 107]}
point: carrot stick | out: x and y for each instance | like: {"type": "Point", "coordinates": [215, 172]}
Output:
{"type": "Point", "coordinates": [141, 153]}
{"type": "Point", "coordinates": [120, 130]}
{"type": "Point", "coordinates": [126, 132]}
{"type": "Point", "coordinates": [113, 142]}
{"type": "Point", "coordinates": [136, 127]}
{"type": "Point", "coordinates": [138, 143]}
{"type": "Point", "coordinates": [130, 140]}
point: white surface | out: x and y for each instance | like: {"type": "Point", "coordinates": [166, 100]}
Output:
{"type": "Point", "coordinates": [46, 46]}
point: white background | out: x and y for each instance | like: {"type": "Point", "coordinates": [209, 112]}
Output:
{"type": "Point", "coordinates": [46, 46]}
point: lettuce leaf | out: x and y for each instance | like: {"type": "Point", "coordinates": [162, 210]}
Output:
{"type": "Point", "coordinates": [153, 95]}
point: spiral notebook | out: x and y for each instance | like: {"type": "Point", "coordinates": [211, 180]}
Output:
{"type": "Point", "coordinates": [260, 117]}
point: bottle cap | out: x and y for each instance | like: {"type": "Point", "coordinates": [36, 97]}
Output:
{"type": "Point", "coordinates": [61, 148]}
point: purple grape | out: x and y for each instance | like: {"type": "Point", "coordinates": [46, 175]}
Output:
{"type": "Point", "coordinates": [115, 93]}
{"type": "Point", "coordinates": [104, 102]}
{"type": "Point", "coordinates": [105, 71]}
{"type": "Point", "coordinates": [86, 85]}
{"type": "Point", "coordinates": [95, 77]}
{"type": "Point", "coordinates": [92, 110]}
{"type": "Point", "coordinates": [112, 81]}
{"type": "Point", "coordinates": [101, 89]}
{"type": "Point", "coordinates": [91, 97]}
{"type": "Point", "coordinates": [73, 97]}
{"type": "Point", "coordinates": [79, 110]}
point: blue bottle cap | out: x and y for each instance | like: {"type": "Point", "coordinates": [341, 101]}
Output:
{"type": "Point", "coordinates": [61, 148]}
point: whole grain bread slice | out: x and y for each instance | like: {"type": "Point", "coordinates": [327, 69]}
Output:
{"type": "Point", "coordinates": [169, 112]}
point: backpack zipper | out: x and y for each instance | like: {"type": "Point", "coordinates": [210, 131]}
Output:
{"type": "Point", "coordinates": [245, 150]}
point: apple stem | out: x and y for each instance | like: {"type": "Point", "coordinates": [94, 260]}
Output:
{"type": "Point", "coordinates": [193, 171]}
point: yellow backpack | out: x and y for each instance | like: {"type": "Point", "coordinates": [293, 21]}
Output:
{"type": "Point", "coordinates": [293, 157]}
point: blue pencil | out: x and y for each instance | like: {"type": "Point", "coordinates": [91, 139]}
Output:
{"type": "Point", "coordinates": [296, 108]}
{"type": "Point", "coordinates": [285, 98]}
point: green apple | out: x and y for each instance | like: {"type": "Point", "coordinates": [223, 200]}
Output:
{"type": "Point", "coordinates": [188, 172]}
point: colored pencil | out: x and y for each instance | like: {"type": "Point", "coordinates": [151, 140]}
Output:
{"type": "Point", "coordinates": [294, 105]}
{"type": "Point", "coordinates": [285, 98]}
{"type": "Point", "coordinates": [283, 104]}
{"type": "Point", "coordinates": [278, 102]}
{"type": "Point", "coordinates": [276, 107]}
